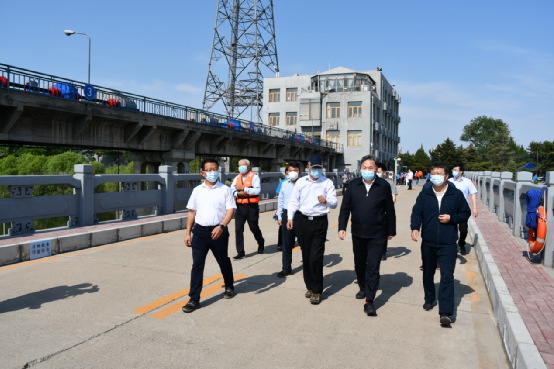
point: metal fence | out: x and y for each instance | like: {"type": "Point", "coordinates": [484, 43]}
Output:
{"type": "Point", "coordinates": [507, 200]}
{"type": "Point", "coordinates": [166, 192]}
{"type": "Point", "coordinates": [14, 78]}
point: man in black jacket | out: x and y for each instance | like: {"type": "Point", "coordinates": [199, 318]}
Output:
{"type": "Point", "coordinates": [369, 200]}
{"type": "Point", "coordinates": [438, 210]}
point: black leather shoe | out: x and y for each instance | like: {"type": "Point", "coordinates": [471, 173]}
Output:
{"type": "Point", "coordinates": [279, 248]}
{"type": "Point", "coordinates": [229, 293]}
{"type": "Point", "coordinates": [463, 250]}
{"type": "Point", "coordinates": [360, 295]}
{"type": "Point", "coordinates": [284, 273]}
{"type": "Point", "coordinates": [191, 306]}
{"type": "Point", "coordinates": [369, 309]}
{"type": "Point", "coordinates": [445, 320]}
{"type": "Point", "coordinates": [239, 256]}
{"type": "Point", "coordinates": [427, 306]}
{"type": "Point", "coordinates": [260, 250]}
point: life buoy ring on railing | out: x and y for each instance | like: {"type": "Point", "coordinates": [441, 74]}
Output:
{"type": "Point", "coordinates": [536, 241]}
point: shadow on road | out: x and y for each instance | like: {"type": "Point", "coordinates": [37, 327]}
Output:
{"type": "Point", "coordinates": [398, 252]}
{"type": "Point", "coordinates": [333, 283]}
{"type": "Point", "coordinates": [390, 285]}
{"type": "Point", "coordinates": [35, 300]}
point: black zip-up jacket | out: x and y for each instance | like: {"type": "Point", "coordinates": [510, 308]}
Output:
{"type": "Point", "coordinates": [373, 214]}
{"type": "Point", "coordinates": [425, 214]}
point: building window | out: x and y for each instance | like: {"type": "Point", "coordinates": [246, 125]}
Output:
{"type": "Point", "coordinates": [292, 93]}
{"type": "Point", "coordinates": [291, 119]}
{"type": "Point", "coordinates": [354, 138]}
{"type": "Point", "coordinates": [333, 110]}
{"type": "Point", "coordinates": [274, 95]}
{"type": "Point", "coordinates": [355, 109]}
{"type": "Point", "coordinates": [333, 136]}
{"type": "Point", "coordinates": [274, 119]}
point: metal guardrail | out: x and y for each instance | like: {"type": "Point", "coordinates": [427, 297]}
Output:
{"type": "Point", "coordinates": [507, 199]}
{"type": "Point", "coordinates": [166, 192]}
{"type": "Point", "coordinates": [20, 79]}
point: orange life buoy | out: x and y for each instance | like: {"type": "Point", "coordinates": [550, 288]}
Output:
{"type": "Point", "coordinates": [536, 241]}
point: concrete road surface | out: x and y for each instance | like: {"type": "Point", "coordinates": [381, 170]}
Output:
{"type": "Point", "coordinates": [119, 306]}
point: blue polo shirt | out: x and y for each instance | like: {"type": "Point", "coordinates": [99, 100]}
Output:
{"type": "Point", "coordinates": [465, 185]}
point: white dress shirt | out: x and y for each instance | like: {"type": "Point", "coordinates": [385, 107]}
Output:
{"type": "Point", "coordinates": [254, 190]}
{"type": "Point", "coordinates": [211, 204]}
{"type": "Point", "coordinates": [284, 196]}
{"type": "Point", "coordinates": [465, 185]}
{"type": "Point", "coordinates": [305, 197]}
{"type": "Point", "coordinates": [439, 196]}
{"type": "Point", "coordinates": [410, 175]}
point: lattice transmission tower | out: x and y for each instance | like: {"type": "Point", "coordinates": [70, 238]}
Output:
{"type": "Point", "coordinates": [244, 48]}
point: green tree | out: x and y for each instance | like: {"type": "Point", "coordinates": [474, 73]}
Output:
{"type": "Point", "coordinates": [421, 161]}
{"type": "Point", "coordinates": [500, 150]}
{"type": "Point", "coordinates": [447, 152]}
{"type": "Point", "coordinates": [545, 151]}
{"type": "Point", "coordinates": [481, 131]}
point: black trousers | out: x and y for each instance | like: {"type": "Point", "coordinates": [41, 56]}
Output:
{"type": "Point", "coordinates": [201, 243]}
{"type": "Point", "coordinates": [344, 186]}
{"type": "Point", "coordinates": [446, 256]}
{"type": "Point", "coordinates": [279, 237]}
{"type": "Point", "coordinates": [386, 247]}
{"type": "Point", "coordinates": [312, 235]}
{"type": "Point", "coordinates": [288, 241]}
{"type": "Point", "coordinates": [247, 213]}
{"type": "Point", "coordinates": [410, 184]}
{"type": "Point", "coordinates": [367, 263]}
{"type": "Point", "coordinates": [462, 227]}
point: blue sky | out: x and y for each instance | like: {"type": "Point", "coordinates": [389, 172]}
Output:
{"type": "Point", "coordinates": [450, 61]}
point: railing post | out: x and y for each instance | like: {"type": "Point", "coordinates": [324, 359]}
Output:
{"type": "Point", "coordinates": [549, 206]}
{"type": "Point", "coordinates": [85, 194]}
{"type": "Point", "coordinates": [504, 177]}
{"type": "Point", "coordinates": [494, 175]}
{"type": "Point", "coordinates": [487, 176]}
{"type": "Point", "coordinates": [521, 179]}
{"type": "Point", "coordinates": [168, 196]}
{"type": "Point", "coordinates": [222, 175]}
{"type": "Point", "coordinates": [8, 79]}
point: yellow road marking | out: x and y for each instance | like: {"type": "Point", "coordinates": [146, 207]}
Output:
{"type": "Point", "coordinates": [25, 263]}
{"type": "Point", "coordinates": [174, 296]}
{"type": "Point", "coordinates": [297, 248]}
{"type": "Point", "coordinates": [179, 305]}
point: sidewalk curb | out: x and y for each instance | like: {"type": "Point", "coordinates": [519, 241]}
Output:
{"type": "Point", "coordinates": [520, 347]}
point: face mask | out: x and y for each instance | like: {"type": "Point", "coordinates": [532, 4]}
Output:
{"type": "Point", "coordinates": [212, 176]}
{"type": "Point", "coordinates": [368, 175]}
{"type": "Point", "coordinates": [293, 175]}
{"type": "Point", "coordinates": [316, 173]}
{"type": "Point", "coordinates": [380, 175]}
{"type": "Point", "coordinates": [437, 180]}
{"type": "Point", "coordinates": [243, 169]}
{"type": "Point", "coordinates": [455, 174]}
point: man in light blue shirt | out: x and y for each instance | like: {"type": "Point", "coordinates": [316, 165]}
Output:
{"type": "Point", "coordinates": [468, 189]}
{"type": "Point", "coordinates": [280, 234]}
{"type": "Point", "coordinates": [293, 173]}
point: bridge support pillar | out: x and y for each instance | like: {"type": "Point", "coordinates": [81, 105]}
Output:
{"type": "Point", "coordinates": [83, 173]}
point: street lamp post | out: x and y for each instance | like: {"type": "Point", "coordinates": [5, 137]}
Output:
{"type": "Point", "coordinates": [69, 33]}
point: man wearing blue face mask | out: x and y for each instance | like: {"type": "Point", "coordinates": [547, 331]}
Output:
{"type": "Point", "coordinates": [246, 187]}
{"type": "Point", "coordinates": [211, 206]}
{"type": "Point", "coordinates": [369, 200]}
{"type": "Point", "coordinates": [438, 211]}
{"type": "Point", "coordinates": [314, 196]}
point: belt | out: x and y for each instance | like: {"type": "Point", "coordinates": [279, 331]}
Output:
{"type": "Point", "coordinates": [208, 228]}
{"type": "Point", "coordinates": [309, 217]}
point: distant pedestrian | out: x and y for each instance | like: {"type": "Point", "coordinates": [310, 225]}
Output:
{"type": "Point", "coordinates": [381, 170]}
{"type": "Point", "coordinates": [410, 178]}
{"type": "Point", "coordinates": [369, 200]}
{"type": "Point", "coordinates": [437, 211]}
{"type": "Point", "coordinates": [417, 178]}
{"type": "Point", "coordinates": [276, 217]}
{"type": "Point", "coordinates": [398, 179]}
{"type": "Point", "coordinates": [346, 179]}
{"type": "Point", "coordinates": [314, 195]}
{"type": "Point", "coordinates": [211, 208]}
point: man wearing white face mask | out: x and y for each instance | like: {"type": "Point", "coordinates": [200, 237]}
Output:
{"type": "Point", "coordinates": [246, 187]}
{"type": "Point", "coordinates": [369, 200]}
{"type": "Point", "coordinates": [314, 195]}
{"type": "Point", "coordinates": [211, 206]}
{"type": "Point", "coordinates": [282, 208]}
{"type": "Point", "coordinates": [437, 211]}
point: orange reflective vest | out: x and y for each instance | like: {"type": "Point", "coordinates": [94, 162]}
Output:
{"type": "Point", "coordinates": [249, 199]}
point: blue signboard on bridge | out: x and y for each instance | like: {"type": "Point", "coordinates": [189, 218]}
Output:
{"type": "Point", "coordinates": [89, 91]}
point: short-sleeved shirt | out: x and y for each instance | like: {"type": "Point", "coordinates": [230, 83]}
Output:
{"type": "Point", "coordinates": [465, 185]}
{"type": "Point", "coordinates": [211, 204]}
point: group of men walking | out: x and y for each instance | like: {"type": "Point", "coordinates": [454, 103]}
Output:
{"type": "Point", "coordinates": [303, 207]}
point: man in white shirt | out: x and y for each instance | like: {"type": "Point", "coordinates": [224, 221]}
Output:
{"type": "Point", "coordinates": [246, 188]}
{"type": "Point", "coordinates": [410, 178]}
{"type": "Point", "coordinates": [211, 206]}
{"type": "Point", "coordinates": [288, 236]}
{"type": "Point", "coordinates": [468, 189]}
{"type": "Point", "coordinates": [314, 195]}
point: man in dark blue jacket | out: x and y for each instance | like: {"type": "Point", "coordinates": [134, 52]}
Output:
{"type": "Point", "coordinates": [369, 200]}
{"type": "Point", "coordinates": [438, 210]}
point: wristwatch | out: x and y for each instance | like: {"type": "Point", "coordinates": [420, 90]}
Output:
{"type": "Point", "coordinates": [223, 227]}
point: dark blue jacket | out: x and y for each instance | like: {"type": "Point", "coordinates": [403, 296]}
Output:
{"type": "Point", "coordinates": [425, 214]}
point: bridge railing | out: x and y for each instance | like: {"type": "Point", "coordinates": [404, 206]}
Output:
{"type": "Point", "coordinates": [20, 79]}
{"type": "Point", "coordinates": [506, 198]}
{"type": "Point", "coordinates": [163, 194]}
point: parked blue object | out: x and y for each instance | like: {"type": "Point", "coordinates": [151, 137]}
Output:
{"type": "Point", "coordinates": [533, 199]}
{"type": "Point", "coordinates": [68, 91]}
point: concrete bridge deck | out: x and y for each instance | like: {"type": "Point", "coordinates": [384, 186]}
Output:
{"type": "Point", "coordinates": [119, 306]}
